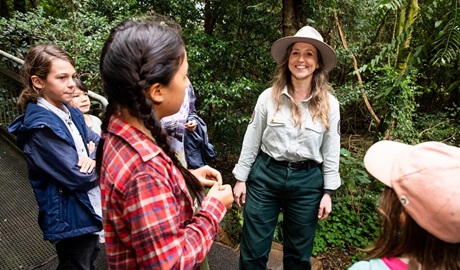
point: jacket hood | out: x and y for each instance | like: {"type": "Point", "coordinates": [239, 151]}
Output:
{"type": "Point", "coordinates": [39, 117]}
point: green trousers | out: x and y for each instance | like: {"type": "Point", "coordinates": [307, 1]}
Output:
{"type": "Point", "coordinates": [270, 188]}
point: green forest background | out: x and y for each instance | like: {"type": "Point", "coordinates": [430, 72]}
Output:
{"type": "Point", "coordinates": [397, 78]}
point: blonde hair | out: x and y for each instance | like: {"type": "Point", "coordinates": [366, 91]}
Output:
{"type": "Point", "coordinates": [320, 90]}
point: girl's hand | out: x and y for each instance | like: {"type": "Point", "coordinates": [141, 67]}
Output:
{"type": "Point", "coordinates": [222, 193]}
{"type": "Point", "coordinates": [208, 176]}
{"type": "Point", "coordinates": [86, 164]}
{"type": "Point", "coordinates": [191, 125]}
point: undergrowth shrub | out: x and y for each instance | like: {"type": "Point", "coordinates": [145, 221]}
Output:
{"type": "Point", "coordinates": [440, 126]}
{"type": "Point", "coordinates": [353, 222]}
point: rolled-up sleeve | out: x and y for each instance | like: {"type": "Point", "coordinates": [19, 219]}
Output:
{"type": "Point", "coordinates": [252, 138]}
{"type": "Point", "coordinates": [330, 148]}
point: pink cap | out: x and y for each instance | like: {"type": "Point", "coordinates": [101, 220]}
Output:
{"type": "Point", "coordinates": [426, 178]}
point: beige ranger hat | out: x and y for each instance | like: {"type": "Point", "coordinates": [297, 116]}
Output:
{"type": "Point", "coordinates": [306, 34]}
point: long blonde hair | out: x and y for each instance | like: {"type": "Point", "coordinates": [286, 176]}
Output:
{"type": "Point", "coordinates": [320, 88]}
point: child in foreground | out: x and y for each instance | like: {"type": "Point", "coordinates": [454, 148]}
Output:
{"type": "Point", "coordinates": [419, 208]}
{"type": "Point", "coordinates": [147, 195]}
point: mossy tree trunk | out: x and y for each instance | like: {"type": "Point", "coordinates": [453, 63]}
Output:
{"type": "Point", "coordinates": [292, 16]}
{"type": "Point", "coordinates": [405, 19]}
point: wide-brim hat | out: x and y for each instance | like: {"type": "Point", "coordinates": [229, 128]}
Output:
{"type": "Point", "coordinates": [306, 34]}
{"type": "Point", "coordinates": [425, 177]}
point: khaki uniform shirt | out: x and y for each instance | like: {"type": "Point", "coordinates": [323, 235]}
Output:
{"type": "Point", "coordinates": [274, 133]}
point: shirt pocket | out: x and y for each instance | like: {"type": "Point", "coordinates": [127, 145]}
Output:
{"type": "Point", "coordinates": [277, 122]}
{"type": "Point", "coordinates": [275, 132]}
{"type": "Point", "coordinates": [314, 126]}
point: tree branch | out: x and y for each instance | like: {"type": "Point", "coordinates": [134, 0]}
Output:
{"type": "Point", "coordinates": [355, 66]}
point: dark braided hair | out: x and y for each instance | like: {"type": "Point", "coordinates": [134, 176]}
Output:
{"type": "Point", "coordinates": [138, 54]}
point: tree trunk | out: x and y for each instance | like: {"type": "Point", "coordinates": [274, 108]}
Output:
{"type": "Point", "coordinates": [292, 14]}
{"type": "Point", "coordinates": [19, 5]}
{"type": "Point", "coordinates": [4, 12]}
{"type": "Point", "coordinates": [209, 19]}
{"type": "Point", "coordinates": [394, 123]}
{"type": "Point", "coordinates": [406, 18]}
{"type": "Point", "coordinates": [32, 4]}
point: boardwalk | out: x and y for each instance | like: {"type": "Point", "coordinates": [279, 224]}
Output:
{"type": "Point", "coordinates": [21, 243]}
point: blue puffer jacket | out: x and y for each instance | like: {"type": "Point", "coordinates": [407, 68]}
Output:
{"type": "Point", "coordinates": [52, 160]}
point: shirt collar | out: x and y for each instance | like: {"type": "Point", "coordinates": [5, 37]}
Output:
{"type": "Point", "coordinates": [285, 92]}
{"type": "Point", "coordinates": [64, 114]}
{"type": "Point", "coordinates": [142, 144]}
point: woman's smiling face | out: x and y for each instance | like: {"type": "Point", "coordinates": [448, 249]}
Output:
{"type": "Point", "coordinates": [303, 60]}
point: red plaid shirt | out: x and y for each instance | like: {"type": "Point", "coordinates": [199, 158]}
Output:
{"type": "Point", "coordinates": [147, 209]}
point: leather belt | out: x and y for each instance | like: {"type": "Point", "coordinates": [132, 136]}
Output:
{"type": "Point", "coordinates": [293, 165]}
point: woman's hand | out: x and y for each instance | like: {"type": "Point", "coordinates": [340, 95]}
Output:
{"type": "Point", "coordinates": [207, 176]}
{"type": "Point", "coordinates": [325, 207]}
{"type": "Point", "coordinates": [240, 192]}
{"type": "Point", "coordinates": [86, 164]}
{"type": "Point", "coordinates": [222, 193]}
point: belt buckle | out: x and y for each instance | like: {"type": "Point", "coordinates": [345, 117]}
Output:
{"type": "Point", "coordinates": [294, 168]}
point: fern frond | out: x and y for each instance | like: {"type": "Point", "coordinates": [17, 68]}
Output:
{"type": "Point", "coordinates": [446, 45]}
{"type": "Point", "coordinates": [400, 39]}
{"type": "Point", "coordinates": [393, 5]}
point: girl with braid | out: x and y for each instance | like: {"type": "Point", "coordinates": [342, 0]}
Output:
{"type": "Point", "coordinates": [148, 197]}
